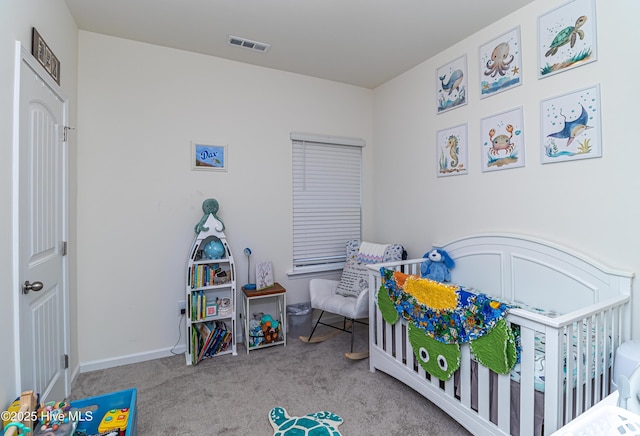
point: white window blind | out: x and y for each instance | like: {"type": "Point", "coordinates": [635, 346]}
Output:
{"type": "Point", "coordinates": [327, 186]}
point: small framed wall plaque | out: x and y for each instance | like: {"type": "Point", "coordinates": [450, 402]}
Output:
{"type": "Point", "coordinates": [208, 157]}
{"type": "Point", "coordinates": [41, 51]}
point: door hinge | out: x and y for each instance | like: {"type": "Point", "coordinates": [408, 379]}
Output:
{"type": "Point", "coordinates": [64, 248]}
{"type": "Point", "coordinates": [66, 361]}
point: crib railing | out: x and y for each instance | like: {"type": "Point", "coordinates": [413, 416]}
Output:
{"type": "Point", "coordinates": [488, 403]}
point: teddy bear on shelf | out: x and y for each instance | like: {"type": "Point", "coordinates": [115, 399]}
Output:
{"type": "Point", "coordinates": [437, 265]}
{"type": "Point", "coordinates": [269, 328]}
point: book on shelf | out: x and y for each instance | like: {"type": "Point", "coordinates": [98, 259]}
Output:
{"type": "Point", "coordinates": [205, 275]}
{"type": "Point", "coordinates": [199, 306]}
{"type": "Point", "coordinates": [211, 338]}
{"type": "Point", "coordinates": [194, 346]}
{"type": "Point", "coordinates": [206, 334]}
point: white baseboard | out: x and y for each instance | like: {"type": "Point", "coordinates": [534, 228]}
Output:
{"type": "Point", "coordinates": [131, 358]}
{"type": "Point", "coordinates": [167, 352]}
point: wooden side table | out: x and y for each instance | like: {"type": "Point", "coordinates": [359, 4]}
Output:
{"type": "Point", "coordinates": [280, 294]}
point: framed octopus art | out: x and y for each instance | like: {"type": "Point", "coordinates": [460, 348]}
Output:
{"type": "Point", "coordinates": [501, 63]}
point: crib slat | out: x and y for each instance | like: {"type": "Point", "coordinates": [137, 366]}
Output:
{"type": "Point", "coordinates": [591, 366]}
{"type": "Point", "coordinates": [379, 330]}
{"type": "Point", "coordinates": [527, 371]}
{"type": "Point", "coordinates": [408, 350]}
{"type": "Point", "coordinates": [570, 346]}
{"type": "Point", "coordinates": [484, 392]}
{"type": "Point", "coordinates": [598, 356]}
{"type": "Point", "coordinates": [504, 402]}
{"type": "Point", "coordinates": [465, 377]}
{"type": "Point", "coordinates": [398, 342]}
{"type": "Point", "coordinates": [552, 387]}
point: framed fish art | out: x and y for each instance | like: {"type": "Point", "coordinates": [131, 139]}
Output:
{"type": "Point", "coordinates": [567, 37]}
{"type": "Point", "coordinates": [571, 127]}
{"type": "Point", "coordinates": [451, 85]}
{"type": "Point", "coordinates": [501, 63]}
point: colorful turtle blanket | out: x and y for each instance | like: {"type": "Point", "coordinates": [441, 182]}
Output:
{"type": "Point", "coordinates": [441, 316]}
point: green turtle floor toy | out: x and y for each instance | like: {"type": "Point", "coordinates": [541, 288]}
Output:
{"type": "Point", "coordinates": [313, 424]}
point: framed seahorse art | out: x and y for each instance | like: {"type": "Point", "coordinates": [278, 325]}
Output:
{"type": "Point", "coordinates": [451, 85]}
{"type": "Point", "coordinates": [501, 63]}
{"type": "Point", "coordinates": [452, 151]}
{"type": "Point", "coordinates": [567, 37]}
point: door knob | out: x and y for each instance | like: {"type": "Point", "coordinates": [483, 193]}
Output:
{"type": "Point", "coordinates": [35, 287]}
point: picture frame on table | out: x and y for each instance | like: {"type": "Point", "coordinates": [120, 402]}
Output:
{"type": "Point", "coordinates": [567, 37]}
{"type": "Point", "coordinates": [264, 275]}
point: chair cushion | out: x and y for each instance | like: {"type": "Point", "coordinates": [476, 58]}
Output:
{"type": "Point", "coordinates": [355, 279]}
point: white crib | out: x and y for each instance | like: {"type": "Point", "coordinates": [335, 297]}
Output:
{"type": "Point", "coordinates": [589, 298]}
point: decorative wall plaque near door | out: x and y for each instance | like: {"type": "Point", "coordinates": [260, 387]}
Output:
{"type": "Point", "coordinates": [41, 51]}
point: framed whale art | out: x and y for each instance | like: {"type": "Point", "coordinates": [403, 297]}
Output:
{"type": "Point", "coordinates": [451, 85]}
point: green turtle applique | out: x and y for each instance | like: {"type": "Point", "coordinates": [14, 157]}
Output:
{"type": "Point", "coordinates": [313, 424]}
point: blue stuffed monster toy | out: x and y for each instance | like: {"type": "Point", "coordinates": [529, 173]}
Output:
{"type": "Point", "coordinates": [437, 265]}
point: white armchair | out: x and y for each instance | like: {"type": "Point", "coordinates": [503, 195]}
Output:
{"type": "Point", "coordinates": [349, 296]}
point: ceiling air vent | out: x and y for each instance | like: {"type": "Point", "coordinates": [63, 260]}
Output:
{"type": "Point", "coordinates": [247, 43]}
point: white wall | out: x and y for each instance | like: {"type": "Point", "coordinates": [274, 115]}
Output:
{"type": "Point", "coordinates": [55, 24]}
{"type": "Point", "coordinates": [589, 205]}
{"type": "Point", "coordinates": [139, 201]}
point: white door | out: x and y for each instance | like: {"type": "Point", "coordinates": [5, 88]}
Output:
{"type": "Point", "coordinates": [43, 297]}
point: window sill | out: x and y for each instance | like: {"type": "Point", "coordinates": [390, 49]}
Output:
{"type": "Point", "coordinates": [316, 269]}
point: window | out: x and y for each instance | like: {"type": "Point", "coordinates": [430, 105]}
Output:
{"type": "Point", "coordinates": [327, 186]}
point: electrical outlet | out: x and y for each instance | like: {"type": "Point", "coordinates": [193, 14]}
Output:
{"type": "Point", "coordinates": [182, 307]}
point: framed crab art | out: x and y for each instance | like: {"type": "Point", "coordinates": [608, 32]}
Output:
{"type": "Point", "coordinates": [452, 149]}
{"type": "Point", "coordinates": [503, 140]}
{"type": "Point", "coordinates": [567, 37]}
{"type": "Point", "coordinates": [501, 64]}
{"type": "Point", "coordinates": [571, 126]}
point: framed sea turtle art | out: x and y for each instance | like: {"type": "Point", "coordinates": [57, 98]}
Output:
{"type": "Point", "coordinates": [451, 85]}
{"type": "Point", "coordinates": [452, 151]}
{"type": "Point", "coordinates": [567, 37]}
{"type": "Point", "coordinates": [570, 125]}
{"type": "Point", "coordinates": [501, 63]}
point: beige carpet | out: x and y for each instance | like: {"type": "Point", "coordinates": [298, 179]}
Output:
{"type": "Point", "coordinates": [232, 395]}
